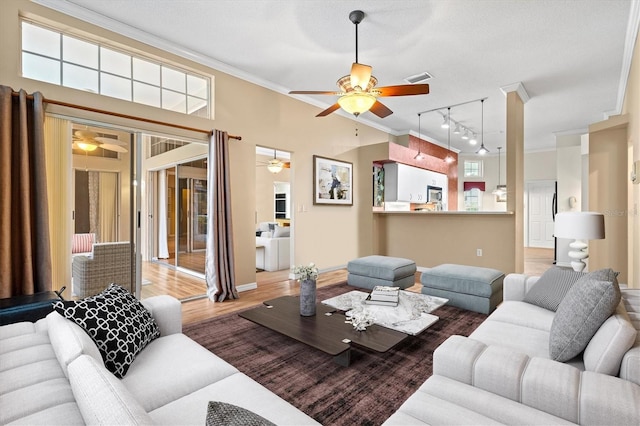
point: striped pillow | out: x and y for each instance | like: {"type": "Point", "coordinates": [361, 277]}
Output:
{"type": "Point", "coordinates": [83, 243]}
{"type": "Point", "coordinates": [552, 286]}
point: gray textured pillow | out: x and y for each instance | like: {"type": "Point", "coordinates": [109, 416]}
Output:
{"type": "Point", "coordinates": [551, 287]}
{"type": "Point", "coordinates": [224, 414]}
{"type": "Point", "coordinates": [588, 304]}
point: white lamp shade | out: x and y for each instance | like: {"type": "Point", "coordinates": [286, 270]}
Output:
{"type": "Point", "coordinates": [579, 225]}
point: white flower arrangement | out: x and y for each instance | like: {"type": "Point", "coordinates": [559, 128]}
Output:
{"type": "Point", "coordinates": [309, 272]}
{"type": "Point", "coordinates": [360, 319]}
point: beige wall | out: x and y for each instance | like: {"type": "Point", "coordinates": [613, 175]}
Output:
{"type": "Point", "coordinates": [434, 238]}
{"type": "Point", "coordinates": [608, 194]}
{"type": "Point", "coordinates": [632, 109]}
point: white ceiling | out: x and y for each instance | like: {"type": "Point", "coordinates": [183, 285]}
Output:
{"type": "Point", "coordinates": [571, 56]}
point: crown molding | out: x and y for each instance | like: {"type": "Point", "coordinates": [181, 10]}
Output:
{"type": "Point", "coordinates": [518, 88]}
{"type": "Point", "coordinates": [629, 45]}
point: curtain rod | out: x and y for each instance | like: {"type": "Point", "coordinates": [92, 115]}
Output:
{"type": "Point", "coordinates": [131, 117]}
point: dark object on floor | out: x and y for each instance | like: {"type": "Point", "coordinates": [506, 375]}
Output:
{"type": "Point", "coordinates": [366, 393]}
{"type": "Point", "coordinates": [28, 308]}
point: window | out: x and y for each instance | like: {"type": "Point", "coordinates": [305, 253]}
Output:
{"type": "Point", "coordinates": [473, 200]}
{"type": "Point", "coordinates": [473, 168]}
{"type": "Point", "coordinates": [57, 58]}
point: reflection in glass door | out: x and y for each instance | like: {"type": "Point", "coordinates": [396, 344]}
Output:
{"type": "Point", "coordinates": [186, 216]}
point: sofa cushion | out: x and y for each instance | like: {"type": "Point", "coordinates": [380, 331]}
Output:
{"type": "Point", "coordinates": [552, 286]}
{"type": "Point", "coordinates": [613, 339]}
{"type": "Point", "coordinates": [225, 414]}
{"type": "Point", "coordinates": [118, 323]}
{"type": "Point", "coordinates": [69, 340]}
{"type": "Point", "coordinates": [588, 303]}
{"type": "Point", "coordinates": [101, 398]}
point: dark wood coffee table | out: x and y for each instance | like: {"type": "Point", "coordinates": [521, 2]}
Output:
{"type": "Point", "coordinates": [325, 331]}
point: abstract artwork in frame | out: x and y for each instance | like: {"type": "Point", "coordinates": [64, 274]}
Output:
{"type": "Point", "coordinates": [332, 181]}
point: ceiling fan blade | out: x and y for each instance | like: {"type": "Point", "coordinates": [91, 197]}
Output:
{"type": "Point", "coordinates": [311, 92]}
{"type": "Point", "coordinates": [360, 75]}
{"type": "Point", "coordinates": [110, 141]}
{"type": "Point", "coordinates": [110, 147]}
{"type": "Point", "coordinates": [85, 134]}
{"type": "Point", "coordinates": [329, 110]}
{"type": "Point", "coordinates": [286, 165]}
{"type": "Point", "coordinates": [380, 110]}
{"type": "Point", "coordinates": [404, 90]}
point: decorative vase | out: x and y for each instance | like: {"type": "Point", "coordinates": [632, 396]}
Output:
{"type": "Point", "coordinates": [307, 298]}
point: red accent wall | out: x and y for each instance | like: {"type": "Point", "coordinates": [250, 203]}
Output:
{"type": "Point", "coordinates": [434, 161]}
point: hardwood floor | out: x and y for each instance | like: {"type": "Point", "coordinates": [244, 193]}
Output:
{"type": "Point", "coordinates": [270, 285]}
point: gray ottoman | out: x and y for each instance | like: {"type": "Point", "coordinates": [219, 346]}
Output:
{"type": "Point", "coordinates": [370, 271]}
{"type": "Point", "coordinates": [467, 287]}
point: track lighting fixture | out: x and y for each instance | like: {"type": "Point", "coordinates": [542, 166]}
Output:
{"type": "Point", "coordinates": [465, 136]}
{"type": "Point", "coordinates": [457, 130]}
{"type": "Point", "coordinates": [445, 122]}
{"type": "Point", "coordinates": [472, 139]}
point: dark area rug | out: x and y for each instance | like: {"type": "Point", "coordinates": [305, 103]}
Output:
{"type": "Point", "coordinates": [366, 393]}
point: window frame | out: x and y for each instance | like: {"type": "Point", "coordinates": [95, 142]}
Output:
{"type": "Point", "coordinates": [480, 172]}
{"type": "Point", "coordinates": [196, 98]}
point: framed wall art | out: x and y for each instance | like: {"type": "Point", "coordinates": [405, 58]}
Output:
{"type": "Point", "coordinates": [332, 181]}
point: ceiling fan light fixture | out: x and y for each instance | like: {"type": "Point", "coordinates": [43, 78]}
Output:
{"type": "Point", "coordinates": [87, 146]}
{"type": "Point", "coordinates": [357, 102]}
{"type": "Point", "coordinates": [275, 166]}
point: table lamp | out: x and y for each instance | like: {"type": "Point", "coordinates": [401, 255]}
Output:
{"type": "Point", "coordinates": [580, 226]}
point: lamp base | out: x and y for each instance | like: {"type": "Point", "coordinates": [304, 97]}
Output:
{"type": "Point", "coordinates": [578, 254]}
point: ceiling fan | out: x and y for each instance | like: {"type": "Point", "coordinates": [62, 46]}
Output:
{"type": "Point", "coordinates": [88, 141]}
{"type": "Point", "coordinates": [358, 93]}
{"type": "Point", "coordinates": [275, 165]}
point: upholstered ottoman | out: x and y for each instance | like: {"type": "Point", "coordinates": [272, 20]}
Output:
{"type": "Point", "coordinates": [467, 287]}
{"type": "Point", "coordinates": [370, 271]}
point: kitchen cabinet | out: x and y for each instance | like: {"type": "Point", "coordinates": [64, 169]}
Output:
{"type": "Point", "coordinates": [409, 184]}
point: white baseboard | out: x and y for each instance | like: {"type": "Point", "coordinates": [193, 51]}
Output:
{"type": "Point", "coordinates": [246, 287]}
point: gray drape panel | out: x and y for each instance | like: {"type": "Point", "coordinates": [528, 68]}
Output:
{"type": "Point", "coordinates": [219, 264]}
{"type": "Point", "coordinates": [25, 257]}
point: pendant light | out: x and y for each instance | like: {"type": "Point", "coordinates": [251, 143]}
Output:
{"type": "Point", "coordinates": [500, 189]}
{"type": "Point", "coordinates": [449, 158]}
{"type": "Point", "coordinates": [482, 150]}
{"type": "Point", "coordinates": [419, 155]}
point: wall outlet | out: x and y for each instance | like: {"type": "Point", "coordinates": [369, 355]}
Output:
{"type": "Point", "coordinates": [478, 252]}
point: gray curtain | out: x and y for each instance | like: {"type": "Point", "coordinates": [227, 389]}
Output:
{"type": "Point", "coordinates": [219, 264]}
{"type": "Point", "coordinates": [25, 257]}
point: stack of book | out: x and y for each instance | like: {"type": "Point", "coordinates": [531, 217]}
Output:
{"type": "Point", "coordinates": [383, 295]}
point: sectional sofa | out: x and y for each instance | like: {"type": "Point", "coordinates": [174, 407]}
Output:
{"type": "Point", "coordinates": [52, 373]}
{"type": "Point", "coordinates": [502, 373]}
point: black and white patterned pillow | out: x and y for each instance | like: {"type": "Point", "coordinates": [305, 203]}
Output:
{"type": "Point", "coordinates": [119, 324]}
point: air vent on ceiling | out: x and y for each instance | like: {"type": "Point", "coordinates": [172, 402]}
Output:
{"type": "Point", "coordinates": [419, 78]}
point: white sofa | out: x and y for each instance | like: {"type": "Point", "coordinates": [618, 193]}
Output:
{"type": "Point", "coordinates": [502, 374]}
{"type": "Point", "coordinates": [273, 250]}
{"type": "Point", "coordinates": [52, 373]}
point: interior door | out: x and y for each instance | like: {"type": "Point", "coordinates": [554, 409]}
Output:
{"type": "Point", "coordinates": [540, 197]}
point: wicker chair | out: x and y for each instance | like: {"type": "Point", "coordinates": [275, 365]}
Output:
{"type": "Point", "coordinates": [108, 263]}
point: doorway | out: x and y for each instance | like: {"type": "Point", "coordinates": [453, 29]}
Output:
{"type": "Point", "coordinates": [540, 214]}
